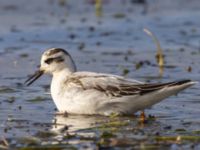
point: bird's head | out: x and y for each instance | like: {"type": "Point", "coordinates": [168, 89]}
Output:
{"type": "Point", "coordinates": [52, 61]}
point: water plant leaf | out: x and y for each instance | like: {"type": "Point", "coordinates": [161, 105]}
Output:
{"type": "Point", "coordinates": [37, 99]}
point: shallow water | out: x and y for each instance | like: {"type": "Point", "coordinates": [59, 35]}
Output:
{"type": "Point", "coordinates": [110, 44]}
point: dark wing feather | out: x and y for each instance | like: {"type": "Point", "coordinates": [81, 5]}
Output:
{"type": "Point", "coordinates": [118, 86]}
{"type": "Point", "coordinates": [141, 89]}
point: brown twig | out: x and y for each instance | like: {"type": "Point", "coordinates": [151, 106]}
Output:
{"type": "Point", "coordinates": [159, 53]}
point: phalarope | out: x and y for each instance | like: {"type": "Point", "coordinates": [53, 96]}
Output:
{"type": "Point", "coordinates": [96, 93]}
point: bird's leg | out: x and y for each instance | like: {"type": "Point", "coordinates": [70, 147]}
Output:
{"type": "Point", "coordinates": [142, 117]}
{"type": "Point", "coordinates": [65, 114]}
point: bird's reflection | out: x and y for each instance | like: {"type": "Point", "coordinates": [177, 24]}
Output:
{"type": "Point", "coordinates": [73, 123]}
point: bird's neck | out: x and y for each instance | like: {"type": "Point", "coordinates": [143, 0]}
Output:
{"type": "Point", "coordinates": [58, 80]}
{"type": "Point", "coordinates": [62, 73]}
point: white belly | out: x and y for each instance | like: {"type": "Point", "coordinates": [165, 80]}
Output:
{"type": "Point", "coordinates": [76, 100]}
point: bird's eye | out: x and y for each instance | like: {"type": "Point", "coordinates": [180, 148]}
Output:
{"type": "Point", "coordinates": [59, 59]}
{"type": "Point", "coordinates": [56, 59]}
{"type": "Point", "coordinates": [49, 60]}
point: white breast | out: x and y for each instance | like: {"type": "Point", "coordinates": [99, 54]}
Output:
{"type": "Point", "coordinates": [73, 99]}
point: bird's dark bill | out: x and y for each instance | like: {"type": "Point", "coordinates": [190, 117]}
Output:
{"type": "Point", "coordinates": [34, 77]}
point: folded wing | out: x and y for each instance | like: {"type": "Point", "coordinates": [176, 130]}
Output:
{"type": "Point", "coordinates": [117, 86]}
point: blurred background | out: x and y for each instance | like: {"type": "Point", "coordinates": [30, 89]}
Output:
{"type": "Point", "coordinates": [100, 26]}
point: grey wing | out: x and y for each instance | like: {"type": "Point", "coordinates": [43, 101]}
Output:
{"type": "Point", "coordinates": [118, 86]}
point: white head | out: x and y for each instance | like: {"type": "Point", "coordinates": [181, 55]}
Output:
{"type": "Point", "coordinates": [53, 61]}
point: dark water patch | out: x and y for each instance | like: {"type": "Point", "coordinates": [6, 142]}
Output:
{"type": "Point", "coordinates": [10, 99]}
{"type": "Point", "coordinates": [113, 53]}
{"type": "Point", "coordinates": [45, 134]}
{"type": "Point", "coordinates": [8, 49]}
{"type": "Point", "coordinates": [13, 78]}
{"type": "Point", "coordinates": [6, 89]}
{"type": "Point", "coordinates": [38, 99]}
{"type": "Point", "coordinates": [24, 55]}
{"type": "Point", "coordinates": [10, 7]}
{"type": "Point", "coordinates": [119, 15]}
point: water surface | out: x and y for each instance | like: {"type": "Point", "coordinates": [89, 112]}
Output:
{"type": "Point", "coordinates": [114, 43]}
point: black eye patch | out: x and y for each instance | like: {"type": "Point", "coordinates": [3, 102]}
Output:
{"type": "Point", "coordinates": [56, 59]}
{"type": "Point", "coordinates": [59, 59]}
{"type": "Point", "coordinates": [49, 60]}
